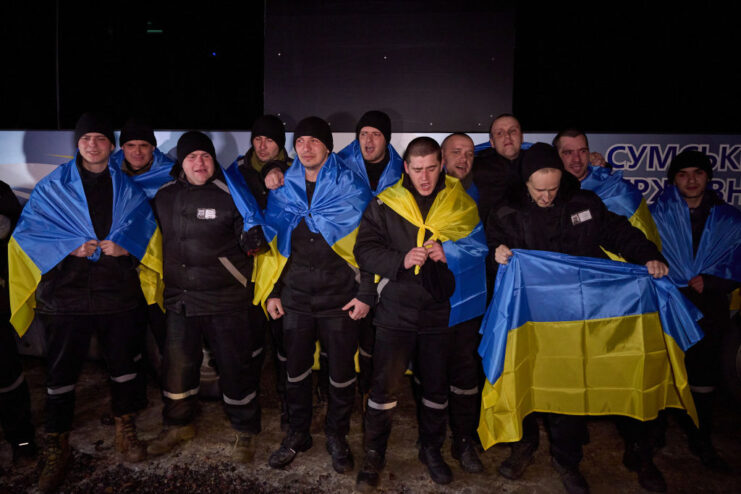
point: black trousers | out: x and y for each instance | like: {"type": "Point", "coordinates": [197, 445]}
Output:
{"type": "Point", "coordinates": [274, 328]}
{"type": "Point", "coordinates": [338, 337]}
{"type": "Point", "coordinates": [391, 355]}
{"type": "Point", "coordinates": [568, 434]}
{"type": "Point", "coordinates": [67, 345]}
{"type": "Point", "coordinates": [15, 401]}
{"type": "Point", "coordinates": [464, 368]}
{"type": "Point", "coordinates": [366, 342]}
{"type": "Point", "coordinates": [237, 350]}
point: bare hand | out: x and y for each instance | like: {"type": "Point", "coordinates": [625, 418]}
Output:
{"type": "Point", "coordinates": [697, 283]}
{"type": "Point", "coordinates": [358, 309]}
{"type": "Point", "coordinates": [415, 257]}
{"type": "Point", "coordinates": [502, 254]}
{"type": "Point", "coordinates": [435, 251]}
{"type": "Point", "coordinates": [86, 249]}
{"type": "Point", "coordinates": [110, 248]}
{"type": "Point", "coordinates": [275, 308]}
{"type": "Point", "coordinates": [274, 179]}
{"type": "Point", "coordinates": [657, 269]}
{"type": "Point", "coordinates": [596, 159]}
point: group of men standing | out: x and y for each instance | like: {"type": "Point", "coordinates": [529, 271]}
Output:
{"type": "Point", "coordinates": [361, 251]}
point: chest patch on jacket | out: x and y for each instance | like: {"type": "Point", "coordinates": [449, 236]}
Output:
{"type": "Point", "coordinates": [581, 217]}
{"type": "Point", "coordinates": [206, 214]}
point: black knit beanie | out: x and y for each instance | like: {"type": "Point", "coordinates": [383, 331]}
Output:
{"type": "Point", "coordinates": [314, 127]}
{"type": "Point", "coordinates": [137, 130]}
{"type": "Point", "coordinates": [540, 155]}
{"type": "Point", "coordinates": [269, 126]}
{"type": "Point", "coordinates": [377, 120]}
{"type": "Point", "coordinates": [94, 122]}
{"type": "Point", "coordinates": [689, 159]}
{"type": "Point", "coordinates": [194, 141]}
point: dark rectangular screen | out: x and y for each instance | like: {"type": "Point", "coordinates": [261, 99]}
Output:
{"type": "Point", "coordinates": [432, 66]}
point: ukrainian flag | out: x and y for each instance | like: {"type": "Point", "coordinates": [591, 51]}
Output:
{"type": "Point", "coordinates": [337, 206]}
{"type": "Point", "coordinates": [454, 220]}
{"type": "Point", "coordinates": [243, 199]}
{"type": "Point", "coordinates": [719, 252]}
{"type": "Point", "coordinates": [582, 336]}
{"type": "Point", "coordinates": [56, 221]}
{"type": "Point", "coordinates": [352, 158]}
{"type": "Point", "coordinates": [621, 197]}
{"type": "Point", "coordinates": [154, 178]}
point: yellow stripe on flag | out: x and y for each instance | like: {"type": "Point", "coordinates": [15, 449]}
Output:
{"type": "Point", "coordinates": [617, 366]}
{"type": "Point", "coordinates": [151, 271]}
{"type": "Point", "coordinates": [24, 276]}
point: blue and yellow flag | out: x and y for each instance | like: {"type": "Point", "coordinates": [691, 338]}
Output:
{"type": "Point", "coordinates": [56, 221]}
{"type": "Point", "coordinates": [154, 178]}
{"type": "Point", "coordinates": [719, 252]}
{"type": "Point", "coordinates": [242, 196]}
{"type": "Point", "coordinates": [623, 198]}
{"type": "Point", "coordinates": [337, 206]}
{"type": "Point", "coordinates": [582, 336]}
{"type": "Point", "coordinates": [453, 219]}
{"type": "Point", "coordinates": [352, 158]}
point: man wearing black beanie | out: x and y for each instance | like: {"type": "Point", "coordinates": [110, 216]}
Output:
{"type": "Point", "coordinates": [552, 213]}
{"type": "Point", "coordinates": [93, 289]}
{"type": "Point", "coordinates": [139, 154]}
{"type": "Point", "coordinates": [701, 238]}
{"type": "Point", "coordinates": [207, 275]}
{"type": "Point", "coordinates": [320, 294]}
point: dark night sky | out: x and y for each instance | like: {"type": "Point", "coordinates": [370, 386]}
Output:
{"type": "Point", "coordinates": [635, 68]}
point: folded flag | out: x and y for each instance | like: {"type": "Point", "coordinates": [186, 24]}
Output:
{"type": "Point", "coordinates": [154, 178]}
{"type": "Point", "coordinates": [582, 336]}
{"type": "Point", "coordinates": [623, 198]}
{"type": "Point", "coordinates": [453, 219]}
{"type": "Point", "coordinates": [56, 221]}
{"type": "Point", "coordinates": [719, 252]}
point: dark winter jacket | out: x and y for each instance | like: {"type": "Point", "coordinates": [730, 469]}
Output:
{"type": "Point", "coordinates": [256, 179]}
{"type": "Point", "coordinates": [316, 279]}
{"type": "Point", "coordinates": [578, 223]}
{"type": "Point", "coordinates": [81, 286]}
{"type": "Point", "coordinates": [495, 177]}
{"type": "Point", "coordinates": [407, 302]}
{"type": "Point", "coordinates": [206, 268]}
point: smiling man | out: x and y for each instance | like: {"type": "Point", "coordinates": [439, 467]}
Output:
{"type": "Point", "coordinates": [701, 237]}
{"type": "Point", "coordinates": [207, 270]}
{"type": "Point", "coordinates": [89, 284]}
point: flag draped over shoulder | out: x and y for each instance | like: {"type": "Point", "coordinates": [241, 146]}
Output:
{"type": "Point", "coordinates": [56, 221]}
{"type": "Point", "coordinates": [621, 197]}
{"type": "Point", "coordinates": [719, 252]}
{"type": "Point", "coordinates": [242, 196]}
{"type": "Point", "coordinates": [453, 219]}
{"type": "Point", "coordinates": [353, 159]}
{"type": "Point", "coordinates": [154, 178]}
{"type": "Point", "coordinates": [337, 206]}
{"type": "Point", "coordinates": [582, 336]}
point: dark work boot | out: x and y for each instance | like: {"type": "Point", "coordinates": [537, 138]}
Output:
{"type": "Point", "coordinates": [571, 478]}
{"type": "Point", "coordinates": [439, 470]}
{"type": "Point", "coordinates": [342, 460]}
{"type": "Point", "coordinates": [370, 471]}
{"type": "Point", "coordinates": [292, 444]}
{"type": "Point", "coordinates": [519, 458]}
{"type": "Point", "coordinates": [57, 454]}
{"type": "Point", "coordinates": [464, 451]}
{"type": "Point", "coordinates": [649, 476]}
